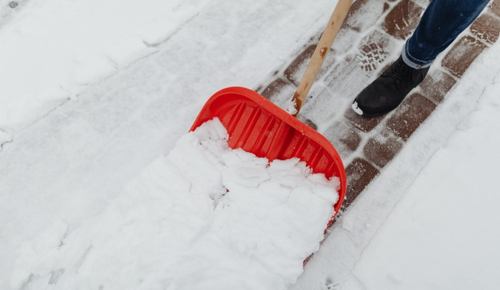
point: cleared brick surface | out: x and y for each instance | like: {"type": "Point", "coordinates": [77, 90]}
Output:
{"type": "Point", "coordinates": [402, 19]}
{"type": "Point", "coordinates": [382, 148]}
{"type": "Point", "coordinates": [486, 28]}
{"type": "Point", "coordinates": [364, 14]}
{"type": "Point", "coordinates": [462, 54]}
{"type": "Point", "coordinates": [436, 85]}
{"type": "Point", "coordinates": [409, 115]}
{"type": "Point", "coordinates": [359, 174]}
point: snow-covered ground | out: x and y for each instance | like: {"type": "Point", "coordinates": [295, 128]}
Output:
{"type": "Point", "coordinates": [96, 91]}
{"type": "Point", "coordinates": [66, 167]}
{"type": "Point", "coordinates": [53, 49]}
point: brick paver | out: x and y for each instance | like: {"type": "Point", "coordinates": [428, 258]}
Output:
{"type": "Point", "coordinates": [436, 85]}
{"type": "Point", "coordinates": [495, 7]}
{"type": "Point", "coordinates": [344, 137]}
{"type": "Point", "coordinates": [462, 54]}
{"type": "Point", "coordinates": [382, 148]}
{"type": "Point", "coordinates": [359, 173]}
{"type": "Point", "coordinates": [409, 115]}
{"type": "Point", "coordinates": [486, 28]}
{"type": "Point", "coordinates": [402, 19]}
{"type": "Point", "coordinates": [364, 124]}
{"type": "Point", "coordinates": [296, 69]}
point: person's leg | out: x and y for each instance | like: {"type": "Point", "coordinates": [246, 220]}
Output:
{"type": "Point", "coordinates": [442, 22]}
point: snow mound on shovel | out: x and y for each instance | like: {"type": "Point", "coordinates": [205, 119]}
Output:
{"type": "Point", "coordinates": [203, 217]}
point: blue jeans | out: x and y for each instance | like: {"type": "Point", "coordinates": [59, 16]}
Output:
{"type": "Point", "coordinates": [442, 22]}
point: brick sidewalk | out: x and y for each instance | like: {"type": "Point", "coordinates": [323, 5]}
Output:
{"type": "Point", "coordinates": [371, 38]}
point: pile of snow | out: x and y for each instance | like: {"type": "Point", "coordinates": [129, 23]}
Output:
{"type": "Point", "coordinates": [203, 217]}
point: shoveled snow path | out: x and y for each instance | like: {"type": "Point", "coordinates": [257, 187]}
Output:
{"type": "Point", "coordinates": [71, 162]}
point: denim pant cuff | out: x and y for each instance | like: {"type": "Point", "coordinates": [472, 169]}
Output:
{"type": "Point", "coordinates": [411, 61]}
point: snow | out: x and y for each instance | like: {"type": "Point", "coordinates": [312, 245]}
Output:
{"type": "Point", "coordinates": [91, 108]}
{"type": "Point", "coordinates": [71, 163]}
{"type": "Point", "coordinates": [430, 220]}
{"type": "Point", "coordinates": [52, 49]}
{"type": "Point", "coordinates": [202, 217]}
{"type": "Point", "coordinates": [77, 158]}
{"type": "Point", "coordinates": [4, 137]}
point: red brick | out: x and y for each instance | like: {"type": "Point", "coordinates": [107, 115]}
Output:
{"type": "Point", "coordinates": [495, 7]}
{"type": "Point", "coordinates": [486, 28]}
{"type": "Point", "coordinates": [297, 67]}
{"type": "Point", "coordinates": [274, 88]}
{"type": "Point", "coordinates": [436, 85]}
{"type": "Point", "coordinates": [359, 174]}
{"type": "Point", "coordinates": [402, 19]}
{"type": "Point", "coordinates": [382, 148]}
{"type": "Point", "coordinates": [462, 54]}
{"type": "Point", "coordinates": [364, 14]}
{"type": "Point", "coordinates": [362, 123]}
{"type": "Point", "coordinates": [409, 115]}
{"type": "Point", "coordinates": [344, 137]}
{"type": "Point", "coordinates": [279, 92]}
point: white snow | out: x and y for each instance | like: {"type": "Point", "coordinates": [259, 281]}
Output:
{"type": "Point", "coordinates": [4, 137]}
{"type": "Point", "coordinates": [203, 217]}
{"type": "Point", "coordinates": [52, 49]}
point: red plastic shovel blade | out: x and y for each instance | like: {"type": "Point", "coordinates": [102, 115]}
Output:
{"type": "Point", "coordinates": [258, 126]}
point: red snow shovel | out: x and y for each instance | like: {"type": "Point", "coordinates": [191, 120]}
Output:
{"type": "Point", "coordinates": [256, 125]}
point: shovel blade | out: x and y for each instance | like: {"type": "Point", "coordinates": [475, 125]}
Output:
{"type": "Point", "coordinates": [256, 125]}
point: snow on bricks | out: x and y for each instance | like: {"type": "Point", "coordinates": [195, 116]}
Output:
{"type": "Point", "coordinates": [402, 19]}
{"type": "Point", "coordinates": [495, 7]}
{"type": "Point", "coordinates": [436, 85]}
{"type": "Point", "coordinates": [381, 148]}
{"type": "Point", "coordinates": [359, 174]}
{"type": "Point", "coordinates": [462, 54]}
{"type": "Point", "coordinates": [486, 28]}
{"type": "Point", "coordinates": [345, 138]}
{"type": "Point", "coordinates": [298, 66]}
{"type": "Point", "coordinates": [409, 115]}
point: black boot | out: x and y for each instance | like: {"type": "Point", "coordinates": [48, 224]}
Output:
{"type": "Point", "coordinates": [388, 90]}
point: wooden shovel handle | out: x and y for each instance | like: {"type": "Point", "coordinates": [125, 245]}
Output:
{"type": "Point", "coordinates": [322, 48]}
